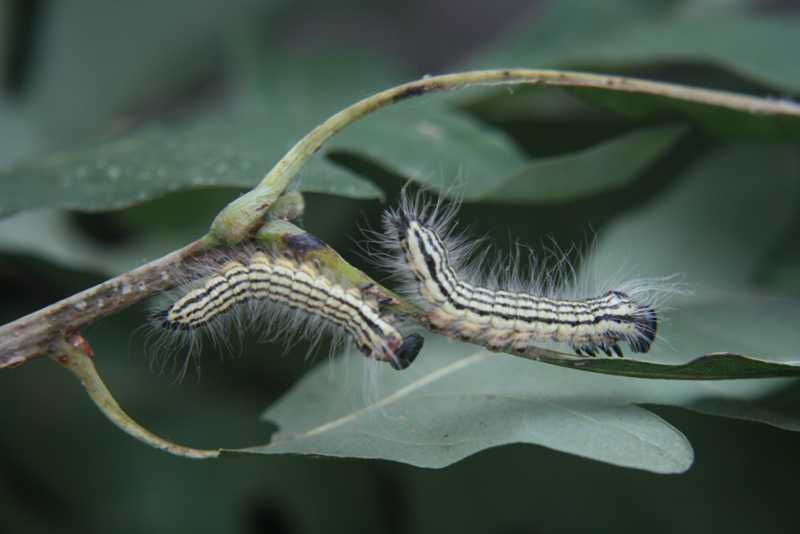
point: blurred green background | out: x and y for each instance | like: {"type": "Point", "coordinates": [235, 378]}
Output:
{"type": "Point", "coordinates": [98, 98]}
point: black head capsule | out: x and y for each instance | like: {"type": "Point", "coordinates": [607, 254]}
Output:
{"type": "Point", "coordinates": [302, 244]}
{"type": "Point", "coordinates": [407, 353]}
{"type": "Point", "coordinates": [645, 324]}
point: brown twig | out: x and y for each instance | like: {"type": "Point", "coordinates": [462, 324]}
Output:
{"type": "Point", "coordinates": [34, 334]}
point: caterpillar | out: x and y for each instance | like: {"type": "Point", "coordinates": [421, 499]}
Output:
{"type": "Point", "coordinates": [432, 260]}
{"type": "Point", "coordinates": [279, 289]}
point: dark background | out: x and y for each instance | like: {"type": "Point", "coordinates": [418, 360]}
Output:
{"type": "Point", "coordinates": [63, 467]}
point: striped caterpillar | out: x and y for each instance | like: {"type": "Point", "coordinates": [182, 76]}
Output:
{"type": "Point", "coordinates": [279, 290]}
{"type": "Point", "coordinates": [499, 312]}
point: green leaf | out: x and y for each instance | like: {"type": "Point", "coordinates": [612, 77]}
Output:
{"type": "Point", "coordinates": [418, 417]}
{"type": "Point", "coordinates": [458, 401]}
{"type": "Point", "coordinates": [716, 121]}
{"type": "Point", "coordinates": [231, 150]}
{"type": "Point", "coordinates": [455, 400]}
{"type": "Point", "coordinates": [713, 225]}
{"type": "Point", "coordinates": [422, 141]}
{"type": "Point", "coordinates": [607, 166]}
{"type": "Point", "coordinates": [623, 33]}
{"type": "Point", "coordinates": [715, 366]}
{"type": "Point", "coordinates": [78, 85]}
{"type": "Point", "coordinates": [284, 97]}
{"type": "Point", "coordinates": [20, 139]}
{"type": "Point", "coordinates": [549, 113]}
{"type": "Point", "coordinates": [455, 153]}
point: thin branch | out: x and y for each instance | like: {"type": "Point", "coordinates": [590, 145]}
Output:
{"type": "Point", "coordinates": [75, 356]}
{"type": "Point", "coordinates": [33, 335]}
{"type": "Point", "coordinates": [240, 217]}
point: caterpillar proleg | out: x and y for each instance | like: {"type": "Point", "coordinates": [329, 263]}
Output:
{"type": "Point", "coordinates": [503, 313]}
{"type": "Point", "coordinates": [270, 288]}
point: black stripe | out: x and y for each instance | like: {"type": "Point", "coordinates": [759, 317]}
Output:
{"type": "Point", "coordinates": [210, 288]}
{"type": "Point", "coordinates": [372, 323]}
{"type": "Point", "coordinates": [345, 320]}
{"type": "Point", "coordinates": [431, 264]}
{"type": "Point", "coordinates": [548, 304]}
{"type": "Point", "coordinates": [342, 319]}
{"type": "Point", "coordinates": [206, 289]}
{"type": "Point", "coordinates": [286, 298]}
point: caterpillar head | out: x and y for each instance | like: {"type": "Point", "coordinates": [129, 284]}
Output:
{"type": "Point", "coordinates": [407, 352]}
{"type": "Point", "coordinates": [646, 325]}
{"type": "Point", "coordinates": [643, 318]}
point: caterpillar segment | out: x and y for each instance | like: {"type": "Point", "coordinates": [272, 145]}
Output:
{"type": "Point", "coordinates": [301, 288]}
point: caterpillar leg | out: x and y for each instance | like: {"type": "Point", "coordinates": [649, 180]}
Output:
{"type": "Point", "coordinates": [592, 349]}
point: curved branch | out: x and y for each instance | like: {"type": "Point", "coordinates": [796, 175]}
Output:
{"type": "Point", "coordinates": [240, 217]}
{"type": "Point", "coordinates": [81, 364]}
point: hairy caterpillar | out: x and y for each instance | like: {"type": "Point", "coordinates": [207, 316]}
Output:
{"type": "Point", "coordinates": [279, 289]}
{"type": "Point", "coordinates": [498, 311]}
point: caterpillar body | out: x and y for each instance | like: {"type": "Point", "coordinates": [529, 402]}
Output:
{"type": "Point", "coordinates": [434, 264]}
{"type": "Point", "coordinates": [258, 280]}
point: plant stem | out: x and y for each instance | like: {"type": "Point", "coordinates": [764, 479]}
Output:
{"type": "Point", "coordinates": [32, 335]}
{"type": "Point", "coordinates": [82, 366]}
{"type": "Point", "coordinates": [240, 217]}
